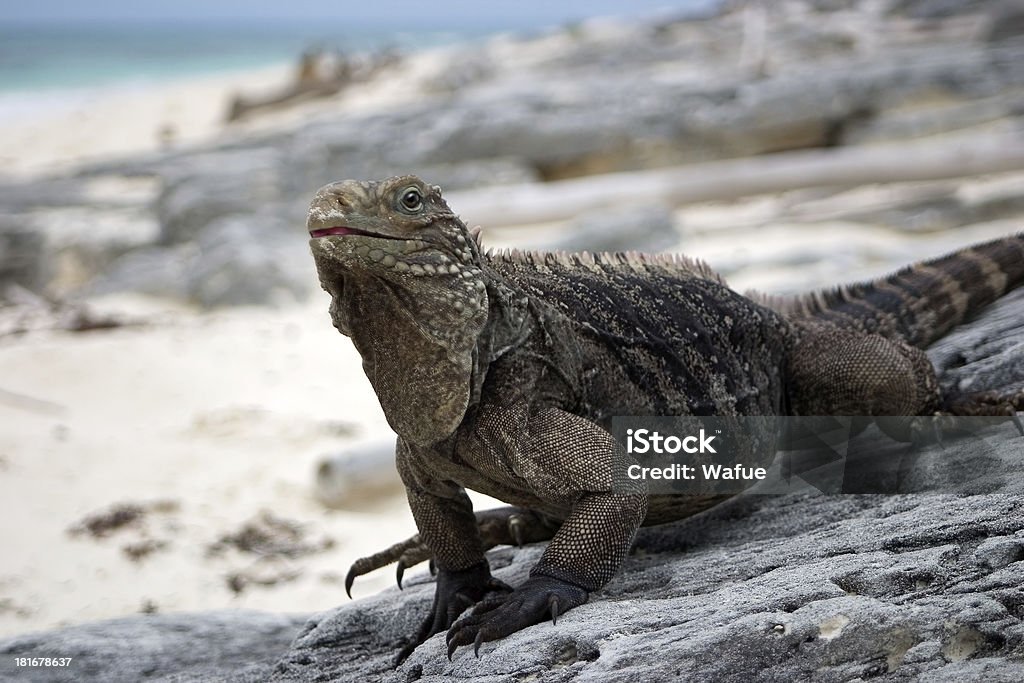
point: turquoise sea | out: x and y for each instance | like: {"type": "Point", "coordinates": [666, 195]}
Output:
{"type": "Point", "coordinates": [47, 66]}
{"type": "Point", "coordinates": [49, 63]}
{"type": "Point", "coordinates": [49, 57]}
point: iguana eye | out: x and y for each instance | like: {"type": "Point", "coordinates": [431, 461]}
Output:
{"type": "Point", "coordinates": [411, 199]}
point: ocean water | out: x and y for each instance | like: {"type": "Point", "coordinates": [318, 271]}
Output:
{"type": "Point", "coordinates": [50, 57]}
{"type": "Point", "coordinates": [50, 64]}
{"type": "Point", "coordinates": [45, 67]}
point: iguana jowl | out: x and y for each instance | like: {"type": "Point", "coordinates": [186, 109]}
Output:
{"type": "Point", "coordinates": [500, 373]}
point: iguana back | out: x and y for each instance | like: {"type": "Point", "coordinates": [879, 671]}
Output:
{"type": "Point", "coordinates": [659, 335]}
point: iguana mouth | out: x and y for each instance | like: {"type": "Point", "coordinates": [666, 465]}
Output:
{"type": "Point", "coordinates": [345, 230]}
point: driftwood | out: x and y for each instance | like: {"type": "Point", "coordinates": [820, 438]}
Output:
{"type": "Point", "coordinates": [319, 75]}
{"type": "Point", "coordinates": [723, 180]}
{"type": "Point", "coordinates": [23, 311]}
{"type": "Point", "coordinates": [293, 94]}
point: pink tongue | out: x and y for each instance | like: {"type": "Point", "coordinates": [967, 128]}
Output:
{"type": "Point", "coordinates": [323, 232]}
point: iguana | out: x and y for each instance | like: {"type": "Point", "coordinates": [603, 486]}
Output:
{"type": "Point", "coordinates": [500, 372]}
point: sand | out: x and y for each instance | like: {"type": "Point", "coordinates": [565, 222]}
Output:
{"type": "Point", "coordinates": [223, 415]}
{"type": "Point", "coordinates": [107, 123]}
{"type": "Point", "coordinates": [114, 121]}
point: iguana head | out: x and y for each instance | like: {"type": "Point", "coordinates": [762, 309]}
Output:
{"type": "Point", "coordinates": [400, 226]}
{"type": "Point", "coordinates": [407, 286]}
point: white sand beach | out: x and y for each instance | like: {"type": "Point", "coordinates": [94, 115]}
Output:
{"type": "Point", "coordinates": [111, 121]}
{"type": "Point", "coordinates": [222, 414]}
{"type": "Point", "coordinates": [57, 132]}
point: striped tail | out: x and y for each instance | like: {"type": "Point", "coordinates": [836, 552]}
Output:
{"type": "Point", "coordinates": [922, 302]}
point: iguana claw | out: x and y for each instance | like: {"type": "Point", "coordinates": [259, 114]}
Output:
{"type": "Point", "coordinates": [350, 578]}
{"type": "Point", "coordinates": [408, 553]}
{"type": "Point", "coordinates": [527, 605]}
{"type": "Point", "coordinates": [994, 405]}
{"type": "Point", "coordinates": [500, 526]}
{"type": "Point", "coordinates": [515, 529]}
{"type": "Point", "coordinates": [399, 573]}
{"type": "Point", "coordinates": [927, 429]}
{"type": "Point", "coordinates": [456, 591]}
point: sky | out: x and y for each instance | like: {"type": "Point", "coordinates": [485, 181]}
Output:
{"type": "Point", "coordinates": [404, 13]}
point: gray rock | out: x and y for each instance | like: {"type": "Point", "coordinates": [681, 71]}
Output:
{"type": "Point", "coordinates": [159, 647]}
{"type": "Point", "coordinates": [23, 254]}
{"type": "Point", "coordinates": [996, 553]}
{"type": "Point", "coordinates": [648, 228]}
{"type": "Point", "coordinates": [56, 235]}
{"type": "Point", "coordinates": [564, 122]}
{"type": "Point", "coordinates": [589, 100]}
{"type": "Point", "coordinates": [84, 241]}
{"type": "Point", "coordinates": [897, 125]}
{"type": "Point", "coordinates": [614, 121]}
{"type": "Point", "coordinates": [1007, 20]}
{"type": "Point", "coordinates": [470, 68]}
{"type": "Point", "coordinates": [245, 260]}
{"type": "Point", "coordinates": [470, 174]}
{"type": "Point", "coordinates": [940, 213]}
{"type": "Point", "coordinates": [153, 271]}
{"type": "Point", "coordinates": [18, 196]}
{"type": "Point", "coordinates": [235, 260]}
{"type": "Point", "coordinates": [976, 358]}
{"type": "Point", "coordinates": [214, 185]}
{"type": "Point", "coordinates": [936, 9]}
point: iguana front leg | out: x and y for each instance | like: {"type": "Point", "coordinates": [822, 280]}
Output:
{"type": "Point", "coordinates": [582, 557]}
{"type": "Point", "coordinates": [566, 461]}
{"type": "Point", "coordinates": [497, 526]}
{"type": "Point", "coordinates": [448, 527]}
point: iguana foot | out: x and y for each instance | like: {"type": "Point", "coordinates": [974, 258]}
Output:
{"type": "Point", "coordinates": [999, 407]}
{"type": "Point", "coordinates": [964, 414]}
{"type": "Point", "coordinates": [499, 526]}
{"type": "Point", "coordinates": [407, 553]}
{"type": "Point", "coordinates": [498, 616]}
{"type": "Point", "coordinates": [456, 591]}
{"type": "Point", "coordinates": [988, 403]}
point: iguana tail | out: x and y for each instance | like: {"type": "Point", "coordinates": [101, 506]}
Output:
{"type": "Point", "coordinates": [920, 303]}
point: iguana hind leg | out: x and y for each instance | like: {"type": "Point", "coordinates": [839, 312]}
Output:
{"type": "Point", "coordinates": [498, 526]}
{"type": "Point", "coordinates": [995, 405]}
{"type": "Point", "coordinates": [838, 371]}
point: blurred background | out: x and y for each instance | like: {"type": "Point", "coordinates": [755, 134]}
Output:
{"type": "Point", "coordinates": [180, 426]}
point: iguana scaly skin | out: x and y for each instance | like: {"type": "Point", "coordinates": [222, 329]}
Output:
{"type": "Point", "coordinates": [500, 373]}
